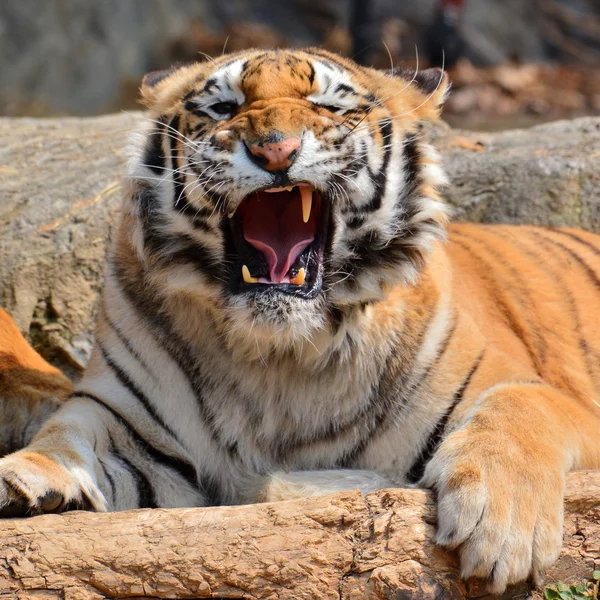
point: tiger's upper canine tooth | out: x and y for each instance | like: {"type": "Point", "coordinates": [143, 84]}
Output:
{"type": "Point", "coordinates": [306, 194]}
{"type": "Point", "coordinates": [246, 275]}
{"type": "Point", "coordinates": [300, 277]}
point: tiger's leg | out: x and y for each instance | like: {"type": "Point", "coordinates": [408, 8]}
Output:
{"type": "Point", "coordinates": [30, 389]}
{"type": "Point", "coordinates": [500, 479]}
{"type": "Point", "coordinates": [22, 415]}
{"type": "Point", "coordinates": [88, 456]}
{"type": "Point", "coordinates": [57, 471]}
{"type": "Point", "coordinates": [294, 485]}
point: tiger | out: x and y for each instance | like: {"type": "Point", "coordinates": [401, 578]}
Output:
{"type": "Point", "coordinates": [288, 312]}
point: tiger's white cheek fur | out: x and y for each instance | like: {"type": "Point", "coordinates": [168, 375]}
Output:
{"type": "Point", "coordinates": [313, 162]}
{"type": "Point", "coordinates": [243, 175]}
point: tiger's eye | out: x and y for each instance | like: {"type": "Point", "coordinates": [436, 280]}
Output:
{"type": "Point", "coordinates": [224, 108]}
{"type": "Point", "coordinates": [329, 107]}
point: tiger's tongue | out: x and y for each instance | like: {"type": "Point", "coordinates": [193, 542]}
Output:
{"type": "Point", "coordinates": [273, 224]}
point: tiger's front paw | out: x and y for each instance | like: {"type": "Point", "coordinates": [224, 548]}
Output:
{"type": "Point", "coordinates": [502, 509]}
{"type": "Point", "coordinates": [32, 484]}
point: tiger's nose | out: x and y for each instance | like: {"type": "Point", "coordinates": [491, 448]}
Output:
{"type": "Point", "coordinates": [275, 156]}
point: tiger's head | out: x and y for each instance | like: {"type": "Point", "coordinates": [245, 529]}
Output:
{"type": "Point", "coordinates": [287, 187]}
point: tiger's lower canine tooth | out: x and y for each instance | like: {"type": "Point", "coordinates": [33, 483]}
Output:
{"type": "Point", "coordinates": [299, 279]}
{"type": "Point", "coordinates": [306, 194]}
{"type": "Point", "coordinates": [247, 277]}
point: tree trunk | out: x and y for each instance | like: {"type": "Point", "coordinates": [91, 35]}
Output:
{"type": "Point", "coordinates": [342, 546]}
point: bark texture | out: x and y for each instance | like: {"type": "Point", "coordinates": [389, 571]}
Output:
{"type": "Point", "coordinates": [342, 546]}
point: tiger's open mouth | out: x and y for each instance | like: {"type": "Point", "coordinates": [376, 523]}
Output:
{"type": "Point", "coordinates": [278, 240]}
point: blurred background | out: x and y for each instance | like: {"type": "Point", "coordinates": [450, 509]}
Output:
{"type": "Point", "coordinates": [513, 62]}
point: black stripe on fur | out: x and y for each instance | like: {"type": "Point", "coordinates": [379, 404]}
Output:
{"type": "Point", "coordinates": [578, 239]}
{"type": "Point", "coordinates": [110, 481]}
{"type": "Point", "coordinates": [171, 249]}
{"type": "Point", "coordinates": [380, 178]}
{"type": "Point", "coordinates": [154, 157]}
{"type": "Point", "coordinates": [145, 491]}
{"type": "Point", "coordinates": [125, 341]}
{"type": "Point", "coordinates": [148, 306]}
{"type": "Point", "coordinates": [385, 401]}
{"type": "Point", "coordinates": [185, 469]}
{"type": "Point", "coordinates": [416, 471]}
{"type": "Point", "coordinates": [126, 381]}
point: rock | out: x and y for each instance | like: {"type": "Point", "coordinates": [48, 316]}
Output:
{"type": "Point", "coordinates": [545, 175]}
{"type": "Point", "coordinates": [81, 57]}
{"type": "Point", "coordinates": [338, 547]}
{"type": "Point", "coordinates": [60, 180]}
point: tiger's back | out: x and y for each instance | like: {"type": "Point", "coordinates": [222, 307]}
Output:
{"type": "Point", "coordinates": [535, 293]}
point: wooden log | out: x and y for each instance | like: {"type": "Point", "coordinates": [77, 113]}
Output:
{"type": "Point", "coordinates": [342, 547]}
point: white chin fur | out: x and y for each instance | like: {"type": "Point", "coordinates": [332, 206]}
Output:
{"type": "Point", "coordinates": [276, 323]}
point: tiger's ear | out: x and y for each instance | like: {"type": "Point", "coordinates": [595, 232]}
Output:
{"type": "Point", "coordinates": [160, 87]}
{"type": "Point", "coordinates": [432, 82]}
{"type": "Point", "coordinates": [153, 78]}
